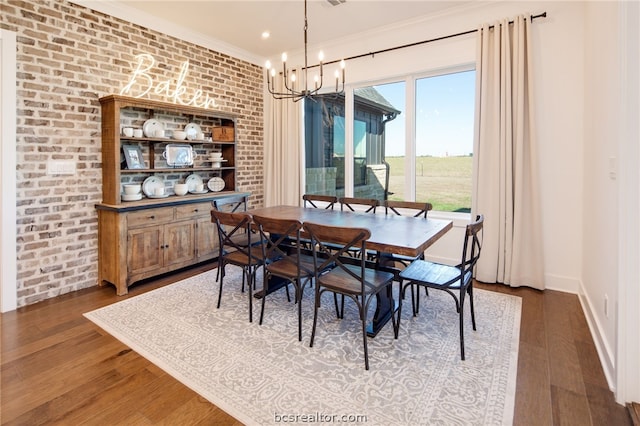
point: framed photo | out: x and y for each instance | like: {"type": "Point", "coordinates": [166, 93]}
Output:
{"type": "Point", "coordinates": [133, 157]}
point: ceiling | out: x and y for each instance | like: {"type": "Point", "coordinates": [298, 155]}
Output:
{"type": "Point", "coordinates": [238, 24]}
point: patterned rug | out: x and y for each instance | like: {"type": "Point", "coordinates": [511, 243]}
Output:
{"type": "Point", "coordinates": [263, 375]}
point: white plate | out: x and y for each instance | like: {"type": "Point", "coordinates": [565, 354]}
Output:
{"type": "Point", "coordinates": [204, 191]}
{"type": "Point", "coordinates": [150, 184]}
{"type": "Point", "coordinates": [192, 130]}
{"type": "Point", "coordinates": [150, 126]}
{"type": "Point", "coordinates": [131, 197]}
{"type": "Point", "coordinates": [165, 195]}
{"type": "Point", "coordinates": [216, 184]}
{"type": "Point", "coordinates": [192, 181]}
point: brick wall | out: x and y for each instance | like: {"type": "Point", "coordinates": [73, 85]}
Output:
{"type": "Point", "coordinates": [68, 57]}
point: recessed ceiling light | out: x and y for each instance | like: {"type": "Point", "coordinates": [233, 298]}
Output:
{"type": "Point", "coordinates": [265, 35]}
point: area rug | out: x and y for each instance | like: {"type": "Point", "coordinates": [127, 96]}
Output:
{"type": "Point", "coordinates": [262, 374]}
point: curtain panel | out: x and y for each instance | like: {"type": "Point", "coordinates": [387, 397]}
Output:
{"type": "Point", "coordinates": [282, 152]}
{"type": "Point", "coordinates": [505, 187]}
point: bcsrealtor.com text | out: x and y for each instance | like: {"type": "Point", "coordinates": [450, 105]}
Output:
{"type": "Point", "coordinates": [318, 418]}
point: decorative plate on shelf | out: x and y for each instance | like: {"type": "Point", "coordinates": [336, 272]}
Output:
{"type": "Point", "coordinates": [192, 181]}
{"type": "Point", "coordinates": [150, 126]}
{"type": "Point", "coordinates": [192, 130]}
{"type": "Point", "coordinates": [150, 184]}
{"type": "Point", "coordinates": [216, 184]}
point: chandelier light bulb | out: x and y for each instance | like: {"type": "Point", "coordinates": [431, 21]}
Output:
{"type": "Point", "coordinates": [284, 57]}
{"type": "Point", "coordinates": [321, 56]}
{"type": "Point", "coordinates": [267, 65]}
{"type": "Point", "coordinates": [293, 77]}
{"type": "Point", "coordinates": [273, 72]}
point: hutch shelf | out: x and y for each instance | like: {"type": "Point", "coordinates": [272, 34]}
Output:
{"type": "Point", "coordinates": [153, 235]}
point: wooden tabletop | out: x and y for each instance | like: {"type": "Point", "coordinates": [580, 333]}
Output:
{"type": "Point", "coordinates": [407, 236]}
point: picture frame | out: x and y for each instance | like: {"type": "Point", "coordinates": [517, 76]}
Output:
{"type": "Point", "coordinates": [133, 157]}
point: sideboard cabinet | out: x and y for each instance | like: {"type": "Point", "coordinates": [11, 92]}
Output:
{"type": "Point", "coordinates": [151, 234]}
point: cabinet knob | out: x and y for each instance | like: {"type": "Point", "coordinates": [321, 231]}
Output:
{"type": "Point", "coordinates": [152, 217]}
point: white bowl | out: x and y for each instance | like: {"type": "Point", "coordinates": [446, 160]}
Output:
{"type": "Point", "coordinates": [180, 188]}
{"type": "Point", "coordinates": [179, 134]}
{"type": "Point", "coordinates": [216, 155]}
{"type": "Point", "coordinates": [132, 189]}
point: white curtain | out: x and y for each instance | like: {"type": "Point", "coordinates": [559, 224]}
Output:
{"type": "Point", "coordinates": [282, 152]}
{"type": "Point", "coordinates": [505, 172]}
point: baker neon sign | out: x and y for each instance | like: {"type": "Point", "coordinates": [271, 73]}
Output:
{"type": "Point", "coordinates": [141, 78]}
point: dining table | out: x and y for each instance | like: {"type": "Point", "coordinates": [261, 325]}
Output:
{"type": "Point", "coordinates": [390, 233]}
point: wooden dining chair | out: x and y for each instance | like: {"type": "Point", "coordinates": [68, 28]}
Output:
{"type": "Point", "coordinates": [348, 279]}
{"type": "Point", "coordinates": [317, 201]}
{"type": "Point", "coordinates": [457, 281]}
{"type": "Point", "coordinates": [348, 203]}
{"type": "Point", "coordinates": [285, 261]}
{"type": "Point", "coordinates": [237, 251]}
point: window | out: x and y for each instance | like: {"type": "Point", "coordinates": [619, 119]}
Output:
{"type": "Point", "coordinates": [444, 121]}
{"type": "Point", "coordinates": [432, 162]}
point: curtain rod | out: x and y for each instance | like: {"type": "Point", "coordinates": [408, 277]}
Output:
{"type": "Point", "coordinates": [362, 55]}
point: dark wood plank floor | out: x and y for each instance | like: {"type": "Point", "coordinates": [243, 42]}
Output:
{"type": "Point", "coordinates": [59, 368]}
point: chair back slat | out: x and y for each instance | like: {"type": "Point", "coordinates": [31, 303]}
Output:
{"type": "Point", "coordinates": [349, 202]}
{"type": "Point", "coordinates": [418, 209]}
{"type": "Point", "coordinates": [317, 201]}
{"type": "Point", "coordinates": [231, 203]}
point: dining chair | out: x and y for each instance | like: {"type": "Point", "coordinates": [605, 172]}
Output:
{"type": "Point", "coordinates": [352, 279]}
{"type": "Point", "coordinates": [405, 208]}
{"type": "Point", "coordinates": [234, 203]}
{"type": "Point", "coordinates": [451, 279]}
{"type": "Point", "coordinates": [237, 251]}
{"type": "Point", "coordinates": [317, 201]}
{"type": "Point", "coordinates": [282, 248]}
{"type": "Point", "coordinates": [348, 203]}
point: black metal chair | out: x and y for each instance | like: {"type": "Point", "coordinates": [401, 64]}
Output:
{"type": "Point", "coordinates": [353, 279]}
{"type": "Point", "coordinates": [319, 201]}
{"type": "Point", "coordinates": [451, 279]}
{"type": "Point", "coordinates": [237, 251]}
{"type": "Point", "coordinates": [283, 251]}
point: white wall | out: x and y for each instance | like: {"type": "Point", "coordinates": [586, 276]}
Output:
{"type": "Point", "coordinates": [600, 202]}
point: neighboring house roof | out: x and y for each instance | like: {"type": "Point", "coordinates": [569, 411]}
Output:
{"type": "Point", "coordinates": [369, 95]}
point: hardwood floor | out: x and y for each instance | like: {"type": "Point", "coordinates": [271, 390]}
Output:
{"type": "Point", "coordinates": [59, 368]}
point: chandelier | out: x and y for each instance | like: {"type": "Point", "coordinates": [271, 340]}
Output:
{"type": "Point", "coordinates": [290, 79]}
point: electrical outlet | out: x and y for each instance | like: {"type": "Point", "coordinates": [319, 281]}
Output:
{"type": "Point", "coordinates": [606, 306]}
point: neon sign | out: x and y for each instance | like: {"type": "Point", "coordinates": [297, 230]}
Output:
{"type": "Point", "coordinates": [178, 94]}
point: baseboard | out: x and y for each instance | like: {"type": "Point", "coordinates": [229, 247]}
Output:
{"type": "Point", "coordinates": [560, 283]}
{"type": "Point", "coordinates": [606, 355]}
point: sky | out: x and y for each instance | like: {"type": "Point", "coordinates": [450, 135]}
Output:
{"type": "Point", "coordinates": [445, 107]}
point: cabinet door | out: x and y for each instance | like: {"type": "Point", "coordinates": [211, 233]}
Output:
{"type": "Point", "coordinates": [179, 242]}
{"type": "Point", "coordinates": [145, 249]}
{"type": "Point", "coordinates": [206, 239]}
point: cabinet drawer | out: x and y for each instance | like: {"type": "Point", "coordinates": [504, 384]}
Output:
{"type": "Point", "coordinates": [150, 217]}
{"type": "Point", "coordinates": [193, 210]}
